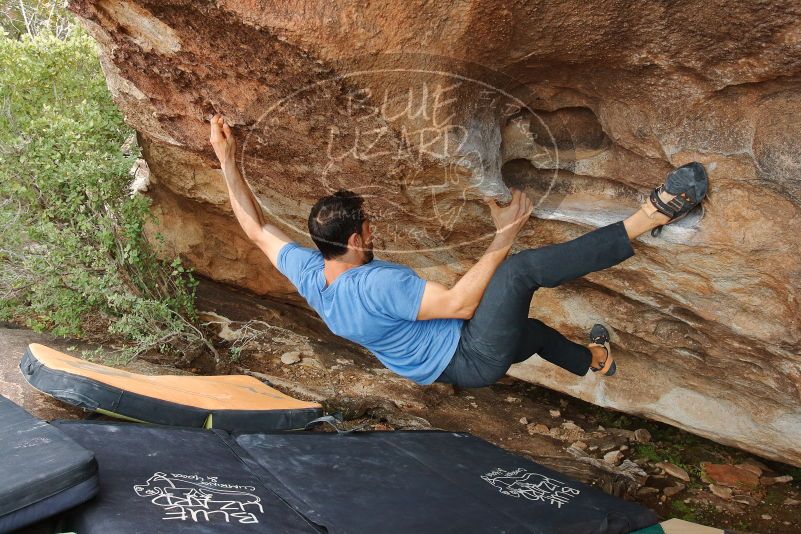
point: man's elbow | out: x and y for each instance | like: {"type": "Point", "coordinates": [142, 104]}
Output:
{"type": "Point", "coordinates": [465, 312]}
{"type": "Point", "coordinates": [258, 234]}
{"type": "Point", "coordinates": [459, 307]}
{"type": "Point", "coordinates": [254, 235]}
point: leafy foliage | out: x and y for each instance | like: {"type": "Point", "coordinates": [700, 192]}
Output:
{"type": "Point", "coordinates": [34, 17]}
{"type": "Point", "coordinates": [74, 257]}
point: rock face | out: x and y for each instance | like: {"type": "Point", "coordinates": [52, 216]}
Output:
{"type": "Point", "coordinates": [425, 108]}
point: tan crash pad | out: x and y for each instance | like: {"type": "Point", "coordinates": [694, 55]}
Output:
{"type": "Point", "coordinates": [86, 383]}
{"type": "Point", "coordinates": [679, 526]}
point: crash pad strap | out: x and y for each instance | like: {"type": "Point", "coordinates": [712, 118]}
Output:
{"type": "Point", "coordinates": [335, 421]}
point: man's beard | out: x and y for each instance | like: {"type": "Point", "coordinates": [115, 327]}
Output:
{"type": "Point", "coordinates": [368, 254]}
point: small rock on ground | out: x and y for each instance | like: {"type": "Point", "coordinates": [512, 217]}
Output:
{"type": "Point", "coordinates": [752, 468]}
{"type": "Point", "coordinates": [720, 491]}
{"type": "Point", "coordinates": [745, 499]}
{"type": "Point", "coordinates": [613, 457]}
{"type": "Point", "coordinates": [674, 471]}
{"type": "Point", "coordinates": [730, 475]}
{"type": "Point", "coordinates": [290, 358]}
{"type": "Point", "coordinates": [537, 428]}
{"type": "Point", "coordinates": [670, 491]}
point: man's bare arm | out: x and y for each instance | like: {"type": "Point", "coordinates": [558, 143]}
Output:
{"type": "Point", "coordinates": [267, 237]}
{"type": "Point", "coordinates": [461, 301]}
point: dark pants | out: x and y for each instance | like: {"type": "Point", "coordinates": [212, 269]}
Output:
{"type": "Point", "coordinates": [501, 332]}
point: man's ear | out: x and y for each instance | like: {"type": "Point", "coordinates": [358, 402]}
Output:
{"type": "Point", "coordinates": [355, 241]}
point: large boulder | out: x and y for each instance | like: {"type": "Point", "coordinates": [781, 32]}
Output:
{"type": "Point", "coordinates": [427, 107]}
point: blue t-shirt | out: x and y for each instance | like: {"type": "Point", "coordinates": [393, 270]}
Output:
{"type": "Point", "coordinates": [376, 305]}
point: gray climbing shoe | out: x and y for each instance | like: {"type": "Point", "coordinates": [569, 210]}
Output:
{"type": "Point", "coordinates": [689, 183]}
{"type": "Point", "coordinates": [599, 337]}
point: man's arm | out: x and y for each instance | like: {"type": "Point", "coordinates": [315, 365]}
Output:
{"type": "Point", "coordinates": [248, 212]}
{"type": "Point", "coordinates": [461, 301]}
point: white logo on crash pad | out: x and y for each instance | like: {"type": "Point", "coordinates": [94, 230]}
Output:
{"type": "Point", "coordinates": [196, 498]}
{"type": "Point", "coordinates": [532, 486]}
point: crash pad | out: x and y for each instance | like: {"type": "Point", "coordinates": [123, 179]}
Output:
{"type": "Point", "coordinates": [43, 472]}
{"type": "Point", "coordinates": [362, 482]}
{"type": "Point", "coordinates": [231, 402]}
{"type": "Point", "coordinates": [430, 481]}
{"type": "Point", "coordinates": [176, 480]}
{"type": "Point", "coordinates": [679, 526]}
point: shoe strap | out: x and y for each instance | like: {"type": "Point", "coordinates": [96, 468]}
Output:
{"type": "Point", "coordinates": [606, 360]}
{"type": "Point", "coordinates": [669, 208]}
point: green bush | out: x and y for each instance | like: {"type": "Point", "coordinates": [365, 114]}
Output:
{"type": "Point", "coordinates": [74, 258]}
{"type": "Point", "coordinates": [32, 17]}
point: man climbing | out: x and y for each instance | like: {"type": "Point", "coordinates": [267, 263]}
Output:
{"type": "Point", "coordinates": [467, 335]}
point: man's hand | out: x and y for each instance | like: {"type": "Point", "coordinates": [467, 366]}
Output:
{"type": "Point", "coordinates": [509, 220]}
{"type": "Point", "coordinates": [222, 140]}
{"type": "Point", "coordinates": [246, 208]}
{"type": "Point", "coordinates": [461, 301]}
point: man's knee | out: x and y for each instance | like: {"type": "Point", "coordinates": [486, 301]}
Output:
{"type": "Point", "coordinates": [513, 266]}
{"type": "Point", "coordinates": [527, 267]}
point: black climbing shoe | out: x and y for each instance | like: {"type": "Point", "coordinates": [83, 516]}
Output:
{"type": "Point", "coordinates": [599, 337]}
{"type": "Point", "coordinates": [689, 183]}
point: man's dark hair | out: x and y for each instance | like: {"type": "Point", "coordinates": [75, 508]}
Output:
{"type": "Point", "coordinates": [332, 221]}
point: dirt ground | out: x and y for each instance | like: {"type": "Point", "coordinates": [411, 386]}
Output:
{"type": "Point", "coordinates": [288, 347]}
{"type": "Point", "coordinates": [551, 428]}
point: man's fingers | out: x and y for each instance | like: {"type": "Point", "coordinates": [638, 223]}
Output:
{"type": "Point", "coordinates": [521, 211]}
{"type": "Point", "coordinates": [219, 128]}
{"type": "Point", "coordinates": [526, 207]}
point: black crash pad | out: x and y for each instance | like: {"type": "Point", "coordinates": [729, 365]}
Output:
{"type": "Point", "coordinates": [364, 482]}
{"type": "Point", "coordinates": [42, 471]}
{"type": "Point", "coordinates": [437, 482]}
{"type": "Point", "coordinates": [168, 479]}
